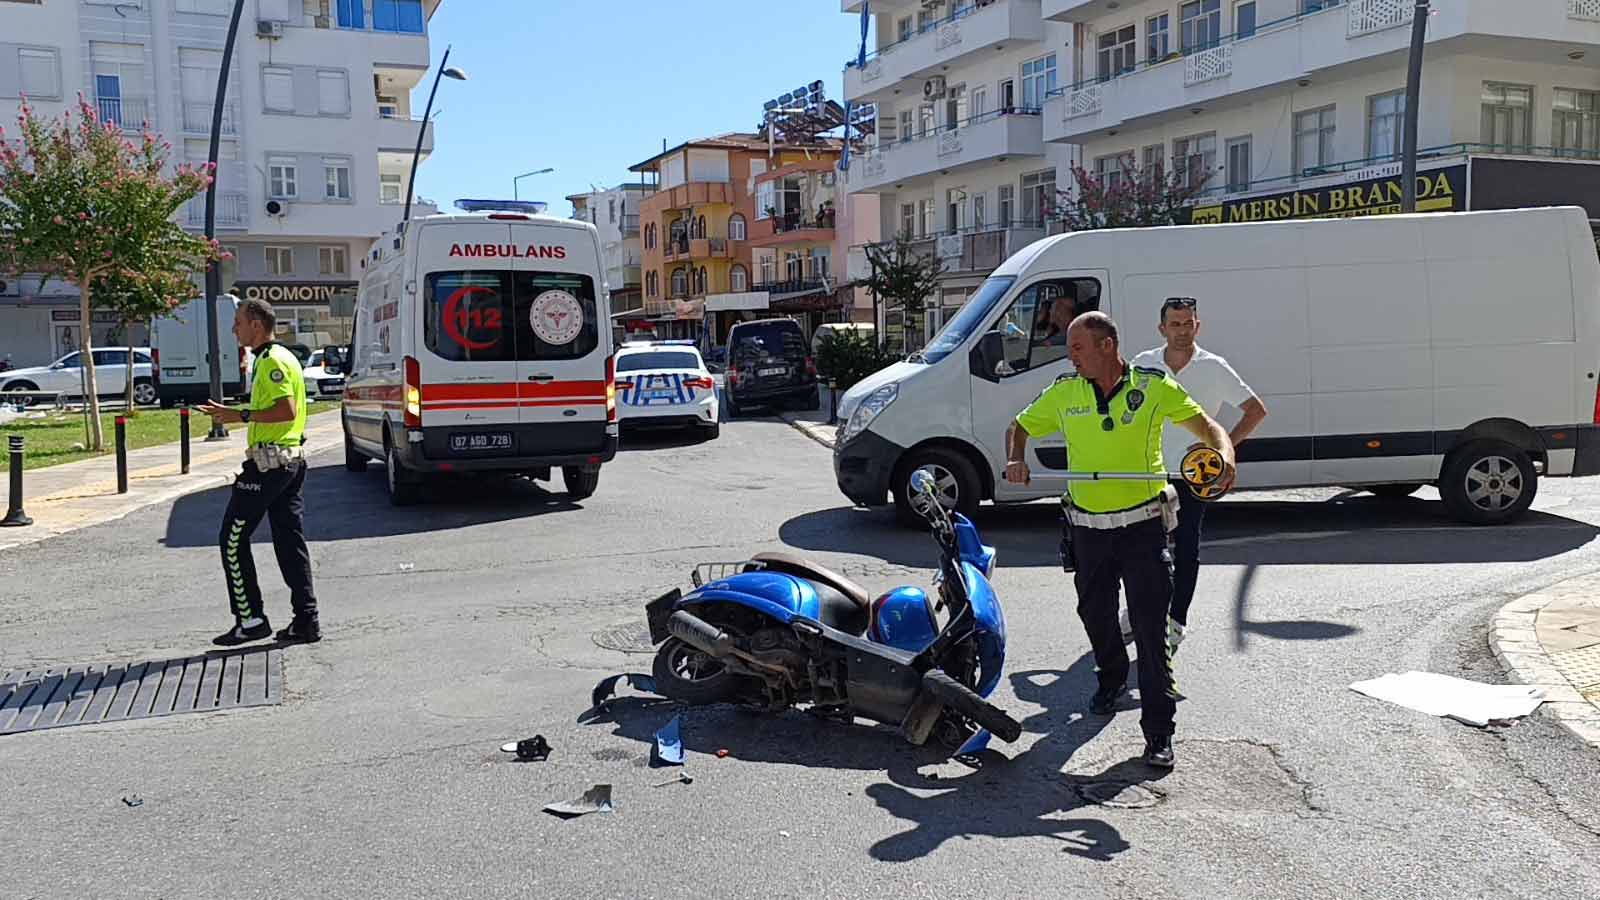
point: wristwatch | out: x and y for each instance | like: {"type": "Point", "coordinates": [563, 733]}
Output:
{"type": "Point", "coordinates": [244, 415]}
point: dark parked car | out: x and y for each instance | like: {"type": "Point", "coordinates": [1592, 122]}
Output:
{"type": "Point", "coordinates": [770, 364]}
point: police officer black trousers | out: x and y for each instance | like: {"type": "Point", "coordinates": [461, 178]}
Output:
{"type": "Point", "coordinates": [1138, 556]}
{"type": "Point", "coordinates": [277, 496]}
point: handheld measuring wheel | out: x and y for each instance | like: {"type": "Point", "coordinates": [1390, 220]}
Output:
{"type": "Point", "coordinates": [1201, 469]}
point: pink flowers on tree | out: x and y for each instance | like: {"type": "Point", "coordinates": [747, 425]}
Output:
{"type": "Point", "coordinates": [1129, 197]}
{"type": "Point", "coordinates": [80, 203]}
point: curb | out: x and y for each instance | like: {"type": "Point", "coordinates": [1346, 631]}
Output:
{"type": "Point", "coordinates": [822, 434]}
{"type": "Point", "coordinates": [1514, 638]}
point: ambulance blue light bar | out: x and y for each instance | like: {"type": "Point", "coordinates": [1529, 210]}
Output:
{"type": "Point", "coordinates": [531, 207]}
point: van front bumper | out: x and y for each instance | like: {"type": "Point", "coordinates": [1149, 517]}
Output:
{"type": "Point", "coordinates": [863, 468]}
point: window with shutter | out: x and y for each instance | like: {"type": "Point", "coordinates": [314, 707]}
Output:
{"type": "Point", "coordinates": [277, 89]}
{"type": "Point", "coordinates": [333, 93]}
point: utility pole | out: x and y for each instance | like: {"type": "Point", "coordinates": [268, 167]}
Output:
{"type": "Point", "coordinates": [1408, 162]}
{"type": "Point", "coordinates": [213, 273]}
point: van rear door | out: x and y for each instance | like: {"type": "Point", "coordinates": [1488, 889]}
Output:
{"type": "Point", "coordinates": [466, 347]}
{"type": "Point", "coordinates": [562, 340]}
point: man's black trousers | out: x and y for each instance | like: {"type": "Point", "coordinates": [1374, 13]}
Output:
{"type": "Point", "coordinates": [278, 496]}
{"type": "Point", "coordinates": [1186, 550]}
{"type": "Point", "coordinates": [1138, 556]}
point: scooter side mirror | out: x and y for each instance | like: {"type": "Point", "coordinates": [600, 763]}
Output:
{"type": "Point", "coordinates": [922, 483]}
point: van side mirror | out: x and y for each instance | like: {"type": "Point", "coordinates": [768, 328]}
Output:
{"type": "Point", "coordinates": [335, 360]}
{"type": "Point", "coordinates": [987, 358]}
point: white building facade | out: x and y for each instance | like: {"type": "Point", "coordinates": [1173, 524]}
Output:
{"type": "Point", "coordinates": [1274, 109]}
{"type": "Point", "coordinates": [315, 146]}
{"type": "Point", "coordinates": [615, 214]}
{"type": "Point", "coordinates": [960, 162]}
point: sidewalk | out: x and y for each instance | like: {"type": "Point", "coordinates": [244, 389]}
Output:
{"type": "Point", "coordinates": [1552, 639]}
{"type": "Point", "coordinates": [77, 495]}
{"type": "Point", "coordinates": [813, 424]}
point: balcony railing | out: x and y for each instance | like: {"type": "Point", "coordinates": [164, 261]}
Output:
{"type": "Point", "coordinates": [197, 118]}
{"type": "Point", "coordinates": [129, 113]}
{"type": "Point", "coordinates": [795, 220]}
{"type": "Point", "coordinates": [792, 286]}
{"type": "Point", "coordinates": [1373, 16]}
{"type": "Point", "coordinates": [980, 249]}
{"type": "Point", "coordinates": [1585, 10]}
{"type": "Point", "coordinates": [1208, 65]}
{"type": "Point", "coordinates": [231, 209]}
{"type": "Point", "coordinates": [961, 11]}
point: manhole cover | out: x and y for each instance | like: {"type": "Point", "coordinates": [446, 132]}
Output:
{"type": "Point", "coordinates": [83, 695]}
{"type": "Point", "coordinates": [630, 637]}
{"type": "Point", "coordinates": [1118, 795]}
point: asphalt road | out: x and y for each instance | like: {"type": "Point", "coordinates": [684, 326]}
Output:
{"type": "Point", "coordinates": [458, 625]}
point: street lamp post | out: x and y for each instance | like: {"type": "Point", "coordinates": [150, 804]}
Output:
{"type": "Point", "coordinates": [514, 194]}
{"type": "Point", "coordinates": [213, 273]}
{"type": "Point", "coordinates": [416, 155]}
{"type": "Point", "coordinates": [1408, 162]}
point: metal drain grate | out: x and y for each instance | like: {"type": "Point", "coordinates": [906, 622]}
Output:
{"type": "Point", "coordinates": [629, 637]}
{"type": "Point", "coordinates": [84, 695]}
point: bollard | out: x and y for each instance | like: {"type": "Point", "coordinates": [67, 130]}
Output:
{"type": "Point", "coordinates": [183, 440]}
{"type": "Point", "coordinates": [15, 517]}
{"type": "Point", "coordinates": [833, 403]}
{"type": "Point", "coordinates": [122, 454]}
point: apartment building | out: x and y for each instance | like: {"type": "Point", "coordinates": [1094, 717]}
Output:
{"type": "Point", "coordinates": [959, 161]}
{"type": "Point", "coordinates": [615, 214]}
{"type": "Point", "coordinates": [1289, 108]}
{"type": "Point", "coordinates": [316, 140]}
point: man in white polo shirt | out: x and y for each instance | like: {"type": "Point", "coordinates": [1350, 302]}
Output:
{"type": "Point", "coordinates": [1212, 383]}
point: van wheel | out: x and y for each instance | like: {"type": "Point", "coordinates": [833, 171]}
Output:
{"type": "Point", "coordinates": [354, 460]}
{"type": "Point", "coordinates": [1393, 491]}
{"type": "Point", "coordinates": [581, 481]}
{"type": "Point", "coordinates": [1488, 482]}
{"type": "Point", "coordinates": [954, 475]}
{"type": "Point", "coordinates": [405, 489]}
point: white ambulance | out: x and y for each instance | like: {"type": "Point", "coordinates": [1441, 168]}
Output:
{"type": "Point", "coordinates": [481, 344]}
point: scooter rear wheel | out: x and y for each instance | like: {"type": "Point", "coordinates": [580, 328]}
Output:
{"type": "Point", "coordinates": [687, 675]}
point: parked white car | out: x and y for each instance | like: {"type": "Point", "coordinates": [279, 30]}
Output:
{"type": "Point", "coordinates": [319, 382]}
{"type": "Point", "coordinates": [65, 376]}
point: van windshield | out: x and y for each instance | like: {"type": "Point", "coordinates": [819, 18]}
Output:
{"type": "Point", "coordinates": [964, 323]}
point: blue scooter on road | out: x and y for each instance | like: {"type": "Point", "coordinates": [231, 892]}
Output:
{"type": "Point", "coordinates": [780, 630]}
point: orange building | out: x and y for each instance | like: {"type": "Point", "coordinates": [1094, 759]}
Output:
{"type": "Point", "coordinates": [697, 221]}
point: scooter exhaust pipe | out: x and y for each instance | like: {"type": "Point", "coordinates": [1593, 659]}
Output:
{"type": "Point", "coordinates": [697, 633]}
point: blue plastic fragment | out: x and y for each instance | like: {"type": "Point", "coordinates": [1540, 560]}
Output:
{"type": "Point", "coordinates": [669, 745]}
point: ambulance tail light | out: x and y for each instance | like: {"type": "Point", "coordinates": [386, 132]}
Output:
{"type": "Point", "coordinates": [413, 393]}
{"type": "Point", "coordinates": [611, 388]}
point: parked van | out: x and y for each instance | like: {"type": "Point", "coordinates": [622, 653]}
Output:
{"type": "Point", "coordinates": [482, 343]}
{"type": "Point", "coordinates": [182, 353]}
{"type": "Point", "coordinates": [1455, 349]}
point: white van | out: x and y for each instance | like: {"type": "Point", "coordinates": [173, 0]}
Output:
{"type": "Point", "coordinates": [1454, 349]}
{"type": "Point", "coordinates": [182, 354]}
{"type": "Point", "coordinates": [481, 343]}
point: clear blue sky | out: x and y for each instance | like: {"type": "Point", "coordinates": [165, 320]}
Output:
{"type": "Point", "coordinates": [590, 87]}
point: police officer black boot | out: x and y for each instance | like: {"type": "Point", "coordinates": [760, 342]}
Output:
{"type": "Point", "coordinates": [304, 629]}
{"type": "Point", "coordinates": [1158, 752]}
{"type": "Point", "coordinates": [243, 632]}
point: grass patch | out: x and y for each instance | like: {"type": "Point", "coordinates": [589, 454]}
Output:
{"type": "Point", "coordinates": [58, 437]}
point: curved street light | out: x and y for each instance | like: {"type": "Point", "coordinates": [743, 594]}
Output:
{"type": "Point", "coordinates": [445, 71]}
{"type": "Point", "coordinates": [514, 181]}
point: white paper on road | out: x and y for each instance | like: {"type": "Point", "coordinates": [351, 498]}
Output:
{"type": "Point", "coordinates": [1466, 701]}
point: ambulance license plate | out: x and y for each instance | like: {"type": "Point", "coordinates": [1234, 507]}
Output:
{"type": "Point", "coordinates": [468, 443]}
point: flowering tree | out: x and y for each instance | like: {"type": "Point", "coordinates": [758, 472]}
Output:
{"type": "Point", "coordinates": [1137, 197]}
{"type": "Point", "coordinates": [80, 202]}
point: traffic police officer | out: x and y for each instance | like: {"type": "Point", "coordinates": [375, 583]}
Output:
{"type": "Point", "coordinates": [1111, 416]}
{"type": "Point", "coordinates": [271, 484]}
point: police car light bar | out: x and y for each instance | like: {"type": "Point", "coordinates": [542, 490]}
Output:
{"type": "Point", "coordinates": [531, 207]}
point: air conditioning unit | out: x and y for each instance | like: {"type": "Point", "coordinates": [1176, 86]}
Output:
{"type": "Point", "coordinates": [269, 29]}
{"type": "Point", "coordinates": [933, 88]}
{"type": "Point", "coordinates": [277, 208]}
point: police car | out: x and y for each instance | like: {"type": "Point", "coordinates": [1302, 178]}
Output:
{"type": "Point", "coordinates": [665, 384]}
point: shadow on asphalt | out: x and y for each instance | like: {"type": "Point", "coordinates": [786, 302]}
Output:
{"type": "Point", "coordinates": [1020, 796]}
{"type": "Point", "coordinates": [1346, 530]}
{"type": "Point", "coordinates": [636, 439]}
{"type": "Point", "coordinates": [343, 505]}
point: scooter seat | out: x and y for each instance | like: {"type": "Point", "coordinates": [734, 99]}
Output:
{"type": "Point", "coordinates": [792, 564]}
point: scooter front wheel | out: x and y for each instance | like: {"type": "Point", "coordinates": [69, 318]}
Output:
{"type": "Point", "coordinates": [688, 675]}
{"type": "Point", "coordinates": [965, 701]}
